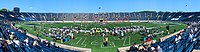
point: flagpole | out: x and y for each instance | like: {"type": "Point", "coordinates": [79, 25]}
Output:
{"type": "Point", "coordinates": [139, 19]}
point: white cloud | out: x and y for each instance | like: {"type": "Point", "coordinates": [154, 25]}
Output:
{"type": "Point", "coordinates": [30, 7]}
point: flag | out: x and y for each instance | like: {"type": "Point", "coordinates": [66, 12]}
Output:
{"type": "Point", "coordinates": [99, 7]}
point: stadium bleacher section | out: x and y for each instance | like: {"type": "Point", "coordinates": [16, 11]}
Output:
{"type": "Point", "coordinates": [165, 16]}
{"type": "Point", "coordinates": [12, 46]}
{"type": "Point", "coordinates": [185, 44]}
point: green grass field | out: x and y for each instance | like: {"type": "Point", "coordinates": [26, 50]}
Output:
{"type": "Point", "coordinates": [96, 42]}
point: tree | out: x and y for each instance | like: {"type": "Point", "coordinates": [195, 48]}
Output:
{"type": "Point", "coordinates": [147, 11]}
{"type": "Point", "coordinates": [148, 17]}
{"type": "Point", "coordinates": [4, 10]}
{"type": "Point", "coordinates": [54, 19]}
{"type": "Point", "coordinates": [64, 19]}
{"type": "Point", "coordinates": [95, 18]}
{"type": "Point", "coordinates": [127, 17]}
{"type": "Point", "coordinates": [75, 17]}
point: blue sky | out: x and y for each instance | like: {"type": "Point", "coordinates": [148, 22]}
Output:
{"type": "Point", "coordinates": [77, 6]}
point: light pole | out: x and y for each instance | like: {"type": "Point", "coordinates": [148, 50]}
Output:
{"type": "Point", "coordinates": [106, 18]}
{"type": "Point", "coordinates": [54, 19]}
{"type": "Point", "coordinates": [148, 17]}
{"type": "Point", "coordinates": [95, 18]}
{"type": "Point", "coordinates": [138, 19]}
{"type": "Point", "coordinates": [44, 19]}
{"type": "Point", "coordinates": [116, 16]}
{"type": "Point", "coordinates": [64, 19]}
{"type": "Point", "coordinates": [74, 18]}
{"type": "Point", "coordinates": [127, 18]}
{"type": "Point", "coordinates": [158, 17]}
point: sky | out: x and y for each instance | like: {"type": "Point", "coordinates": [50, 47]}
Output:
{"type": "Point", "coordinates": [92, 6]}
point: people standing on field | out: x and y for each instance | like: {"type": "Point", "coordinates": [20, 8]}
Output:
{"type": "Point", "coordinates": [105, 43]}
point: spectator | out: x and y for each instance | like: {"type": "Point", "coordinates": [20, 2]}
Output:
{"type": "Point", "coordinates": [196, 29]}
{"type": "Point", "coordinates": [54, 41]}
{"type": "Point", "coordinates": [191, 36]}
{"type": "Point", "coordinates": [9, 42]}
{"type": "Point", "coordinates": [103, 34]}
{"type": "Point", "coordinates": [11, 35]}
{"type": "Point", "coordinates": [133, 48]}
{"type": "Point", "coordinates": [71, 35]}
{"type": "Point", "coordinates": [122, 34]}
{"type": "Point", "coordinates": [145, 49]}
{"type": "Point", "coordinates": [26, 41]}
{"type": "Point", "coordinates": [158, 49]}
{"type": "Point", "coordinates": [37, 34]}
{"type": "Point", "coordinates": [43, 42]}
{"type": "Point", "coordinates": [141, 48]}
{"type": "Point", "coordinates": [105, 41]}
{"type": "Point", "coordinates": [91, 32]}
{"type": "Point", "coordinates": [144, 39]}
{"type": "Point", "coordinates": [174, 30]}
{"type": "Point", "coordinates": [152, 49]}
{"type": "Point", "coordinates": [17, 42]}
{"type": "Point", "coordinates": [62, 39]}
{"type": "Point", "coordinates": [4, 45]}
{"type": "Point", "coordinates": [177, 40]}
{"type": "Point", "coordinates": [167, 27]}
{"type": "Point", "coordinates": [179, 36]}
{"type": "Point", "coordinates": [168, 33]}
{"type": "Point", "coordinates": [148, 39]}
{"type": "Point", "coordinates": [35, 43]}
{"type": "Point", "coordinates": [153, 43]}
{"type": "Point", "coordinates": [1, 45]}
{"type": "Point", "coordinates": [48, 43]}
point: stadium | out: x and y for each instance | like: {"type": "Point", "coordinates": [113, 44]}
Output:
{"type": "Point", "coordinates": [143, 31]}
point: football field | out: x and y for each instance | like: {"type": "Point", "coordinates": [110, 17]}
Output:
{"type": "Point", "coordinates": [95, 42]}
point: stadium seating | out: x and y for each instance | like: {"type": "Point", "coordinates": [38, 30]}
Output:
{"type": "Point", "coordinates": [184, 45]}
{"type": "Point", "coordinates": [165, 16]}
{"type": "Point", "coordinates": [30, 48]}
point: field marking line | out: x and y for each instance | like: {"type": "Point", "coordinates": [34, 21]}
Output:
{"type": "Point", "coordinates": [83, 41]}
{"type": "Point", "coordinates": [79, 45]}
{"type": "Point", "coordinates": [84, 45]}
{"type": "Point", "coordinates": [124, 41]}
{"type": "Point", "coordinates": [108, 25]}
{"type": "Point", "coordinates": [116, 39]}
{"type": "Point", "coordinates": [76, 42]}
{"type": "Point", "coordinates": [79, 40]}
{"type": "Point", "coordinates": [91, 42]}
{"type": "Point", "coordinates": [101, 45]}
{"type": "Point", "coordinates": [113, 44]}
{"type": "Point", "coordinates": [72, 43]}
{"type": "Point", "coordinates": [110, 45]}
{"type": "Point", "coordinates": [96, 43]}
{"type": "Point", "coordinates": [129, 40]}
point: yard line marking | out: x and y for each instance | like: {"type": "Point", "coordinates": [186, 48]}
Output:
{"type": "Point", "coordinates": [84, 45]}
{"type": "Point", "coordinates": [96, 43]}
{"type": "Point", "coordinates": [72, 43]}
{"type": "Point", "coordinates": [83, 41]}
{"type": "Point", "coordinates": [115, 38]}
{"type": "Point", "coordinates": [101, 45]}
{"type": "Point", "coordinates": [124, 41]}
{"type": "Point", "coordinates": [78, 41]}
{"type": "Point", "coordinates": [113, 44]}
{"type": "Point", "coordinates": [91, 43]}
{"type": "Point", "coordinates": [129, 40]}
